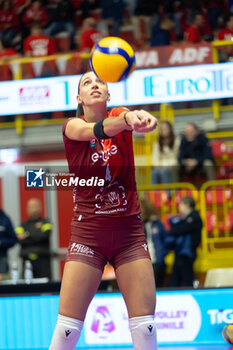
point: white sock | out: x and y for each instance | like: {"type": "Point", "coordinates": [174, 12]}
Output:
{"type": "Point", "coordinates": [143, 332]}
{"type": "Point", "coordinates": [66, 333]}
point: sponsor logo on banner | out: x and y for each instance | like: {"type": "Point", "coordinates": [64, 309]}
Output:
{"type": "Point", "coordinates": [102, 313]}
{"type": "Point", "coordinates": [178, 318]}
{"type": "Point", "coordinates": [34, 95]}
{"type": "Point", "coordinates": [220, 316]}
{"type": "Point", "coordinates": [214, 80]}
{"type": "Point", "coordinates": [107, 322]}
{"type": "Point", "coordinates": [174, 56]}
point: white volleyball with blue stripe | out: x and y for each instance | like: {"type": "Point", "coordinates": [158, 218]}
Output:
{"type": "Point", "coordinates": [112, 59]}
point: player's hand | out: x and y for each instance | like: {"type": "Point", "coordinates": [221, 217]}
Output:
{"type": "Point", "coordinates": [141, 121]}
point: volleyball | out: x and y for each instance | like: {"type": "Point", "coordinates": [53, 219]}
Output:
{"type": "Point", "coordinates": [112, 59]}
{"type": "Point", "coordinates": [227, 333]}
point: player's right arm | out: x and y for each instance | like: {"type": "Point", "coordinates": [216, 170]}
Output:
{"type": "Point", "coordinates": [140, 121]}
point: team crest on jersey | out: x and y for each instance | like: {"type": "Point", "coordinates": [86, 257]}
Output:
{"type": "Point", "coordinates": [93, 143]}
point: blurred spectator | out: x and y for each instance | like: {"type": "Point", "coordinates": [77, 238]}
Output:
{"type": "Point", "coordinates": [34, 238]}
{"type": "Point", "coordinates": [186, 19]}
{"type": "Point", "coordinates": [38, 44]}
{"type": "Point", "coordinates": [87, 6]}
{"type": "Point", "coordinates": [7, 240]}
{"type": "Point", "coordinates": [206, 29]}
{"type": "Point", "coordinates": [20, 6]}
{"type": "Point", "coordinates": [177, 16]}
{"type": "Point", "coordinates": [165, 155]}
{"type": "Point", "coordinates": [76, 4]}
{"type": "Point", "coordinates": [195, 153]}
{"type": "Point", "coordinates": [215, 7]}
{"type": "Point", "coordinates": [90, 36]}
{"type": "Point", "coordinates": [184, 237]}
{"type": "Point", "coordinates": [155, 235]}
{"type": "Point", "coordinates": [112, 13]}
{"type": "Point", "coordinates": [9, 23]}
{"type": "Point", "coordinates": [131, 5]}
{"type": "Point", "coordinates": [193, 32]}
{"type": "Point", "coordinates": [35, 14]}
{"type": "Point", "coordinates": [144, 10]}
{"type": "Point", "coordinates": [161, 33]}
{"type": "Point", "coordinates": [77, 41]}
{"type": "Point", "coordinates": [226, 34]}
{"type": "Point", "coordinates": [6, 52]}
{"type": "Point", "coordinates": [61, 13]}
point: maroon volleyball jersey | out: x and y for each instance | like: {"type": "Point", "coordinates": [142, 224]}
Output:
{"type": "Point", "coordinates": [105, 172]}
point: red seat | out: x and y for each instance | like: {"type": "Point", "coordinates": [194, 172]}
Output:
{"type": "Point", "coordinates": [159, 198]}
{"type": "Point", "coordinates": [230, 151]}
{"type": "Point", "coordinates": [218, 196]}
{"type": "Point", "coordinates": [219, 148]}
{"type": "Point", "coordinates": [225, 170]}
{"type": "Point", "coordinates": [229, 220]}
{"type": "Point", "coordinates": [211, 221]}
{"type": "Point", "coordinates": [182, 193]}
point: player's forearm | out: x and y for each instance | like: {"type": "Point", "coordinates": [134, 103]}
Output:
{"type": "Point", "coordinates": [113, 126]}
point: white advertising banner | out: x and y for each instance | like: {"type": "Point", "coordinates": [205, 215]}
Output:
{"type": "Point", "coordinates": [178, 319]}
{"type": "Point", "coordinates": [145, 86]}
{"type": "Point", "coordinates": [194, 318]}
{"type": "Point", "coordinates": [107, 322]}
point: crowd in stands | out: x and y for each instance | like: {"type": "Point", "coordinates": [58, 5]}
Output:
{"type": "Point", "coordinates": [153, 23]}
{"type": "Point", "coordinates": [173, 158]}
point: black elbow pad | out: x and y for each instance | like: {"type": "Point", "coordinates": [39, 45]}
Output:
{"type": "Point", "coordinates": [99, 130]}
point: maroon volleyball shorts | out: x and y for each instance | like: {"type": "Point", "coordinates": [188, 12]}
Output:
{"type": "Point", "coordinates": [99, 240]}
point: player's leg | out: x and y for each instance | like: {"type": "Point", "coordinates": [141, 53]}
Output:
{"type": "Point", "coordinates": [79, 284]}
{"type": "Point", "coordinates": [136, 282]}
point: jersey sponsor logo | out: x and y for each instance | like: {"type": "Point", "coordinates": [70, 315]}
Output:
{"type": "Point", "coordinates": [145, 246]}
{"type": "Point", "coordinates": [81, 249]}
{"type": "Point", "coordinates": [104, 155]}
{"type": "Point", "coordinates": [93, 143]}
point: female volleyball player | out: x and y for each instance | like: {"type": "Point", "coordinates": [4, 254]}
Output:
{"type": "Point", "coordinates": [106, 226]}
